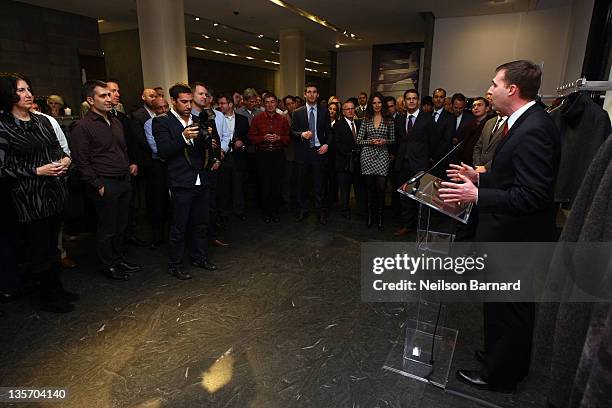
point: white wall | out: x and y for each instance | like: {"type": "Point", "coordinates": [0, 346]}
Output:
{"type": "Point", "coordinates": [466, 50]}
{"type": "Point", "coordinates": [354, 73]}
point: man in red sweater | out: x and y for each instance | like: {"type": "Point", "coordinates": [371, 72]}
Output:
{"type": "Point", "coordinates": [269, 133]}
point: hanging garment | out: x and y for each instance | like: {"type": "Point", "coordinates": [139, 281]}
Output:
{"type": "Point", "coordinates": [584, 126]}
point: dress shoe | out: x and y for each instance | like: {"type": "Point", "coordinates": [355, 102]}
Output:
{"type": "Point", "coordinates": [241, 217]}
{"type": "Point", "coordinates": [402, 232]}
{"type": "Point", "coordinates": [217, 243]}
{"type": "Point", "coordinates": [115, 273]}
{"type": "Point", "coordinates": [479, 355]}
{"type": "Point", "coordinates": [204, 264]}
{"type": "Point", "coordinates": [323, 217]}
{"type": "Point", "coordinates": [302, 215]}
{"type": "Point", "coordinates": [68, 296]}
{"type": "Point", "coordinates": [267, 219]}
{"type": "Point", "coordinates": [275, 218]}
{"type": "Point", "coordinates": [68, 263]}
{"type": "Point", "coordinates": [474, 378]}
{"type": "Point", "coordinates": [129, 267]}
{"type": "Point", "coordinates": [178, 273]}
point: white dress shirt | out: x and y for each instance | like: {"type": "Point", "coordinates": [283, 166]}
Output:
{"type": "Point", "coordinates": [517, 113]}
{"type": "Point", "coordinates": [187, 141]}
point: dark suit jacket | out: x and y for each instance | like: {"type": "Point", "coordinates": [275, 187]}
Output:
{"type": "Point", "coordinates": [467, 117]}
{"type": "Point", "coordinates": [300, 124]}
{"type": "Point", "coordinates": [515, 199]}
{"type": "Point", "coordinates": [142, 151]}
{"type": "Point", "coordinates": [343, 144]}
{"type": "Point", "coordinates": [184, 161]}
{"type": "Point", "coordinates": [442, 141]}
{"type": "Point", "coordinates": [241, 132]}
{"type": "Point", "coordinates": [130, 140]}
{"type": "Point", "coordinates": [412, 152]}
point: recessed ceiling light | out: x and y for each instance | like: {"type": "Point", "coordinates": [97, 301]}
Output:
{"type": "Point", "coordinates": [249, 58]}
{"type": "Point", "coordinates": [275, 41]}
{"type": "Point", "coordinates": [254, 47]}
{"type": "Point", "coordinates": [197, 19]}
{"type": "Point", "coordinates": [337, 45]}
{"type": "Point", "coordinates": [215, 24]}
{"type": "Point", "coordinates": [325, 72]}
{"type": "Point", "coordinates": [260, 36]}
{"type": "Point", "coordinates": [100, 20]}
{"type": "Point", "coordinates": [205, 36]}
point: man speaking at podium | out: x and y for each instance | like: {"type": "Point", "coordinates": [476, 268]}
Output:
{"type": "Point", "coordinates": [515, 204]}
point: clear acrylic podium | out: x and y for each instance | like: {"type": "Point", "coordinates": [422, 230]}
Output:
{"type": "Point", "coordinates": [425, 330]}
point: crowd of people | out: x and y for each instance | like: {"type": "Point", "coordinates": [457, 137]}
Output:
{"type": "Point", "coordinates": [202, 159]}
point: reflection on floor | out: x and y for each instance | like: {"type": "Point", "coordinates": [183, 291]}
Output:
{"type": "Point", "coordinates": [280, 324]}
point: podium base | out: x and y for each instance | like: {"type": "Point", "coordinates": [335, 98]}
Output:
{"type": "Point", "coordinates": [410, 355]}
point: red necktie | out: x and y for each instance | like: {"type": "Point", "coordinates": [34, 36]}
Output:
{"type": "Point", "coordinates": [353, 130]}
{"type": "Point", "coordinates": [505, 131]}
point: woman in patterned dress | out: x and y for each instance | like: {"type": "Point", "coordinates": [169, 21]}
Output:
{"type": "Point", "coordinates": [33, 166]}
{"type": "Point", "coordinates": [376, 133]}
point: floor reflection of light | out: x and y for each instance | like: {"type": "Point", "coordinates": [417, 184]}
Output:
{"type": "Point", "coordinates": [219, 374]}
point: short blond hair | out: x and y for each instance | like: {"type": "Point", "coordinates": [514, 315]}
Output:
{"type": "Point", "coordinates": [55, 98]}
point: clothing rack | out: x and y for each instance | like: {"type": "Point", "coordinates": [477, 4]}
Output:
{"type": "Point", "coordinates": [581, 84]}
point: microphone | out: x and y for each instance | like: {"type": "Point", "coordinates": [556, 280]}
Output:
{"type": "Point", "coordinates": [421, 173]}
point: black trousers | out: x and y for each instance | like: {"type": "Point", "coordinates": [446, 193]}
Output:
{"type": "Point", "coordinates": [270, 168]}
{"type": "Point", "coordinates": [43, 258]}
{"type": "Point", "coordinates": [232, 187]}
{"type": "Point", "coordinates": [346, 179]}
{"type": "Point", "coordinates": [158, 201]}
{"type": "Point", "coordinates": [314, 167]}
{"type": "Point", "coordinates": [508, 330]}
{"type": "Point", "coordinates": [113, 213]}
{"type": "Point", "coordinates": [190, 214]}
{"type": "Point", "coordinates": [409, 207]}
{"type": "Point", "coordinates": [214, 178]}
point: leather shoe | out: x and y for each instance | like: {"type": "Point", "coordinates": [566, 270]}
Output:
{"type": "Point", "coordinates": [204, 264]}
{"type": "Point", "coordinates": [68, 263]}
{"type": "Point", "coordinates": [217, 243]}
{"type": "Point", "coordinates": [267, 219]}
{"type": "Point", "coordinates": [129, 267]}
{"type": "Point", "coordinates": [479, 355]}
{"type": "Point", "coordinates": [302, 215]}
{"type": "Point", "coordinates": [115, 273]}
{"type": "Point", "coordinates": [178, 273]}
{"type": "Point", "coordinates": [323, 217]}
{"type": "Point", "coordinates": [275, 218]}
{"type": "Point", "coordinates": [474, 378]}
{"type": "Point", "coordinates": [402, 232]}
{"type": "Point", "coordinates": [241, 217]}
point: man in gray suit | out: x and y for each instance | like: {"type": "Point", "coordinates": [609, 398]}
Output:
{"type": "Point", "coordinates": [488, 141]}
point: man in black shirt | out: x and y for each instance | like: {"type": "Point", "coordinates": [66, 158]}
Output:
{"type": "Point", "coordinates": [100, 155]}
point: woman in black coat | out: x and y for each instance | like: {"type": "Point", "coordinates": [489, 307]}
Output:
{"type": "Point", "coordinates": [33, 165]}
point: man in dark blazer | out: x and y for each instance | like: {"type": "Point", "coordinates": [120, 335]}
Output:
{"type": "Point", "coordinates": [462, 116]}
{"type": "Point", "coordinates": [347, 163]}
{"type": "Point", "coordinates": [414, 132]}
{"type": "Point", "coordinates": [310, 131]}
{"type": "Point", "coordinates": [444, 124]}
{"type": "Point", "coordinates": [233, 165]}
{"type": "Point", "coordinates": [181, 144]}
{"type": "Point", "coordinates": [515, 204]}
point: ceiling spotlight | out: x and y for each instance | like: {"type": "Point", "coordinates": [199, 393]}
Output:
{"type": "Point", "coordinates": [352, 35]}
{"type": "Point", "coordinates": [275, 41]}
{"type": "Point", "coordinates": [337, 45]}
{"type": "Point", "coordinates": [260, 36]}
{"type": "Point", "coordinates": [215, 24]}
{"type": "Point", "coordinates": [197, 19]}
{"type": "Point", "coordinates": [205, 36]}
{"type": "Point", "coordinates": [249, 58]}
{"type": "Point", "coordinates": [344, 32]}
{"type": "Point", "coordinates": [254, 47]}
{"type": "Point", "coordinates": [100, 20]}
{"type": "Point", "coordinates": [325, 72]}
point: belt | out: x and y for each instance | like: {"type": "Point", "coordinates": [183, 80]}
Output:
{"type": "Point", "coordinates": [121, 177]}
{"type": "Point", "coordinates": [269, 149]}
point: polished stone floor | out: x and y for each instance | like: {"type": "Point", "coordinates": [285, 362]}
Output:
{"type": "Point", "coordinates": [280, 324]}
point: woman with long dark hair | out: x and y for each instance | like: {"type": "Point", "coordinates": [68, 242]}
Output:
{"type": "Point", "coordinates": [376, 133]}
{"type": "Point", "coordinates": [33, 165]}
